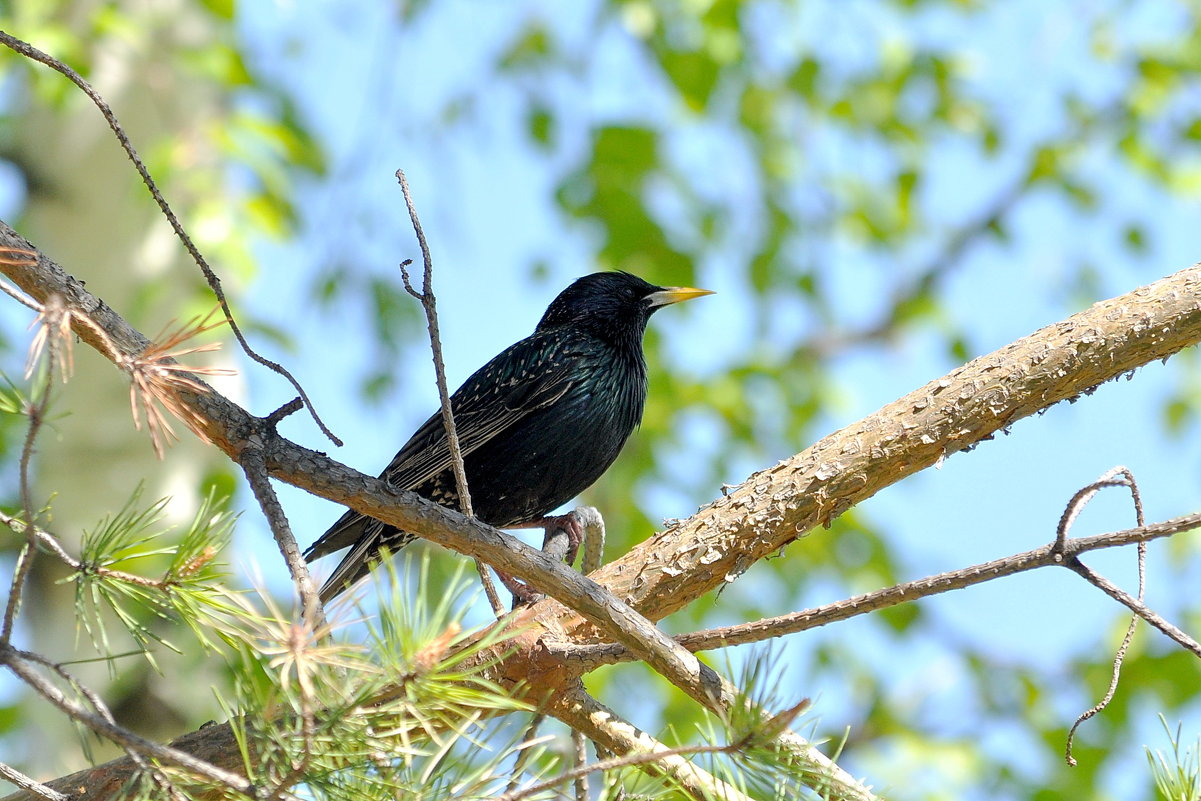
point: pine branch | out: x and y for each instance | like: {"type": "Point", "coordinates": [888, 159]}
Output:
{"type": "Point", "coordinates": [768, 511]}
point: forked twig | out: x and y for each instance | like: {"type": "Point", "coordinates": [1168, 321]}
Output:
{"type": "Point", "coordinates": [11, 774]}
{"type": "Point", "coordinates": [31, 52]}
{"type": "Point", "coordinates": [255, 469]}
{"type": "Point", "coordinates": [595, 654]}
{"type": "Point", "coordinates": [1117, 477]}
{"type": "Point", "coordinates": [430, 305]}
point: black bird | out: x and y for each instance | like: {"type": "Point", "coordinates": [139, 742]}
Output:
{"type": "Point", "coordinates": [537, 425]}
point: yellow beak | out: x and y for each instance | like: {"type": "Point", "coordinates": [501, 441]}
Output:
{"type": "Point", "coordinates": [675, 294]}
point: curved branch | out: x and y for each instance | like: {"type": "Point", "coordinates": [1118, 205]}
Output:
{"type": "Point", "coordinates": [773, 507]}
{"type": "Point", "coordinates": [769, 510]}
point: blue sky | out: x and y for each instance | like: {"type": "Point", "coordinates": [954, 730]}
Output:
{"type": "Point", "coordinates": [485, 203]}
{"type": "Point", "coordinates": [487, 206]}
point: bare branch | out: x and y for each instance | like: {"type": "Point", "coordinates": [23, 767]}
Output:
{"type": "Point", "coordinates": [25, 783]}
{"type": "Point", "coordinates": [18, 663]}
{"type": "Point", "coordinates": [593, 655]}
{"type": "Point", "coordinates": [1135, 605]}
{"type": "Point", "coordinates": [579, 745]}
{"type": "Point", "coordinates": [1117, 477]}
{"type": "Point", "coordinates": [255, 470]}
{"type": "Point", "coordinates": [31, 52]}
{"type": "Point", "coordinates": [430, 304]}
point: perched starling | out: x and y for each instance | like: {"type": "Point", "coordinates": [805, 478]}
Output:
{"type": "Point", "coordinates": [537, 425]}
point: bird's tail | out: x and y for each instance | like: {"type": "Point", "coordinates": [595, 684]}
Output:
{"type": "Point", "coordinates": [356, 564]}
{"type": "Point", "coordinates": [348, 530]}
{"type": "Point", "coordinates": [365, 536]}
{"type": "Point", "coordinates": [353, 529]}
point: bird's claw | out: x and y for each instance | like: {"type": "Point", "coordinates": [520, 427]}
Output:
{"type": "Point", "coordinates": [570, 525]}
{"type": "Point", "coordinates": [556, 528]}
{"type": "Point", "coordinates": [523, 594]}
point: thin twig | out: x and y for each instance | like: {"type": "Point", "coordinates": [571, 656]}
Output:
{"type": "Point", "coordinates": [31, 52]}
{"type": "Point", "coordinates": [1082, 497]}
{"type": "Point", "coordinates": [90, 695]}
{"type": "Point", "coordinates": [18, 663]}
{"type": "Point", "coordinates": [430, 305]}
{"type": "Point", "coordinates": [1117, 477]}
{"type": "Point", "coordinates": [1137, 606]}
{"type": "Point", "coordinates": [291, 407]}
{"type": "Point", "coordinates": [255, 470]}
{"type": "Point", "coordinates": [51, 314]}
{"type": "Point", "coordinates": [756, 631]}
{"type": "Point", "coordinates": [14, 776]}
{"type": "Point", "coordinates": [580, 745]}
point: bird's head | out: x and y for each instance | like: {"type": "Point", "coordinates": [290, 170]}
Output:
{"type": "Point", "coordinates": [614, 303]}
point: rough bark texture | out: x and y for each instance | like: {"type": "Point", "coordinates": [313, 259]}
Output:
{"type": "Point", "coordinates": [766, 512]}
{"type": "Point", "coordinates": [214, 743]}
{"type": "Point", "coordinates": [968, 405]}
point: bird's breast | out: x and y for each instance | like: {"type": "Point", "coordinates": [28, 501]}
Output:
{"type": "Point", "coordinates": [558, 451]}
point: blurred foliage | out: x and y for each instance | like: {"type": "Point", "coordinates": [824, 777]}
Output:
{"type": "Point", "coordinates": [1178, 776]}
{"type": "Point", "coordinates": [768, 146]}
{"type": "Point", "coordinates": [227, 149]}
{"type": "Point", "coordinates": [775, 148]}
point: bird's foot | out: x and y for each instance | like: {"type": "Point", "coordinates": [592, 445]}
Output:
{"type": "Point", "coordinates": [563, 535]}
{"type": "Point", "coordinates": [523, 594]}
{"type": "Point", "coordinates": [562, 539]}
{"type": "Point", "coordinates": [555, 528]}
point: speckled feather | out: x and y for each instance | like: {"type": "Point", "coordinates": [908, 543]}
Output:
{"type": "Point", "coordinates": [537, 425]}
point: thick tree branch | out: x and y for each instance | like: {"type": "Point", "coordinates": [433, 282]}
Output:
{"type": "Point", "coordinates": [756, 519]}
{"type": "Point", "coordinates": [232, 429]}
{"type": "Point", "coordinates": [1065, 554]}
{"type": "Point", "coordinates": [968, 405]}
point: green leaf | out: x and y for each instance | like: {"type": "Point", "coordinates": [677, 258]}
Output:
{"type": "Point", "coordinates": [694, 74]}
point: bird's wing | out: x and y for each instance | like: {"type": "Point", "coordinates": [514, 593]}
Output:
{"type": "Point", "coordinates": [529, 375]}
